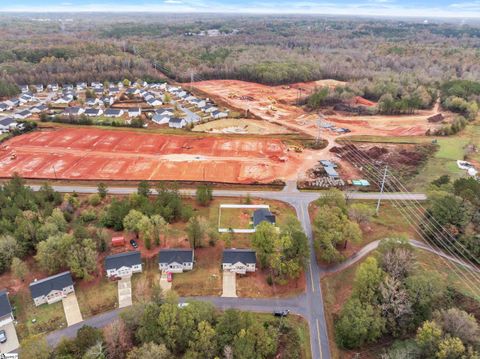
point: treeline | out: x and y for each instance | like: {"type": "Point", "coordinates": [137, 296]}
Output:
{"type": "Point", "coordinates": [461, 96]}
{"type": "Point", "coordinates": [8, 88]}
{"type": "Point", "coordinates": [88, 121]}
{"type": "Point", "coordinates": [161, 329]}
{"type": "Point", "coordinates": [393, 298]}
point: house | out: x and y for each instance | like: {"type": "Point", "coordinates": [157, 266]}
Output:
{"type": "Point", "coordinates": [161, 119]}
{"type": "Point", "coordinates": [239, 260]}
{"type": "Point", "coordinates": [175, 260]}
{"type": "Point", "coordinates": [113, 91]}
{"type": "Point", "coordinates": [68, 87]}
{"type": "Point", "coordinates": [92, 101]}
{"type": "Point", "coordinates": [51, 289]}
{"type": "Point", "coordinates": [113, 112]}
{"type": "Point", "coordinates": [182, 94]}
{"type": "Point", "coordinates": [123, 264]}
{"type": "Point", "coordinates": [210, 108]}
{"type": "Point", "coordinates": [22, 115]}
{"type": "Point", "coordinates": [134, 112]}
{"type": "Point", "coordinates": [14, 102]}
{"type": "Point", "coordinates": [53, 87]}
{"type": "Point", "coordinates": [173, 89]}
{"type": "Point", "coordinates": [132, 91]}
{"type": "Point", "coordinates": [6, 315]}
{"type": "Point", "coordinates": [39, 108]}
{"type": "Point", "coordinates": [3, 107]}
{"type": "Point", "coordinates": [25, 98]}
{"type": "Point", "coordinates": [107, 101]}
{"type": "Point", "coordinates": [24, 88]}
{"type": "Point", "coordinates": [263, 215]}
{"type": "Point", "coordinates": [39, 87]}
{"type": "Point", "coordinates": [64, 100]}
{"type": "Point", "coordinates": [81, 86]}
{"type": "Point", "coordinates": [95, 84]}
{"type": "Point", "coordinates": [164, 112]}
{"type": "Point", "coordinates": [218, 114]}
{"type": "Point", "coordinates": [93, 112]}
{"type": "Point", "coordinates": [7, 124]}
{"type": "Point", "coordinates": [98, 91]}
{"type": "Point", "coordinates": [73, 111]}
{"type": "Point", "coordinates": [154, 102]}
{"type": "Point", "coordinates": [199, 103]}
{"type": "Point", "coordinates": [176, 122]}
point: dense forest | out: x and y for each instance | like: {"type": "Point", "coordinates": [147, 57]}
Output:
{"type": "Point", "coordinates": [373, 55]}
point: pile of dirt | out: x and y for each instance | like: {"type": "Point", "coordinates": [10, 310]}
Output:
{"type": "Point", "coordinates": [363, 101]}
{"type": "Point", "coordinates": [376, 152]}
{"type": "Point", "coordinates": [436, 118]}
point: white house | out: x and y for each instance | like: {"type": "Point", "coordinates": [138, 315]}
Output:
{"type": "Point", "coordinates": [73, 111]}
{"type": "Point", "coordinates": [161, 119]}
{"type": "Point", "coordinates": [22, 115]}
{"type": "Point", "coordinates": [175, 260]}
{"type": "Point", "coordinates": [113, 112]}
{"type": "Point", "coordinates": [24, 88]}
{"type": "Point", "coordinates": [123, 264]}
{"type": "Point", "coordinates": [93, 112]}
{"type": "Point", "coordinates": [134, 112]}
{"type": "Point", "coordinates": [218, 114]}
{"type": "Point", "coordinates": [51, 289]}
{"type": "Point", "coordinates": [108, 101]}
{"type": "Point", "coordinates": [239, 261]}
{"type": "Point", "coordinates": [199, 103]}
{"type": "Point", "coordinates": [39, 87]}
{"type": "Point", "coordinates": [3, 107]}
{"type": "Point", "coordinates": [81, 86]}
{"type": "Point", "coordinates": [164, 111]}
{"type": "Point", "coordinates": [154, 102]}
{"type": "Point", "coordinates": [92, 101]}
{"type": "Point", "coordinates": [64, 100]}
{"type": "Point", "coordinates": [210, 108]}
{"type": "Point", "coordinates": [53, 87]}
{"type": "Point", "coordinates": [176, 122]}
{"type": "Point", "coordinates": [7, 124]}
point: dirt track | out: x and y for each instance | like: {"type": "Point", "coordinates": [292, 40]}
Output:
{"type": "Point", "coordinates": [83, 153]}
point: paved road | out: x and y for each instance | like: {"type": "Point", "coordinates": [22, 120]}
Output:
{"type": "Point", "coordinates": [309, 305]}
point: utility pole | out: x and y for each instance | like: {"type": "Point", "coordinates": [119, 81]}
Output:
{"type": "Point", "coordinates": [381, 189]}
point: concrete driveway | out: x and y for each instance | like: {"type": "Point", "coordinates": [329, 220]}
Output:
{"type": "Point", "coordinates": [12, 340]}
{"type": "Point", "coordinates": [72, 310]}
{"type": "Point", "coordinates": [125, 292]}
{"type": "Point", "coordinates": [229, 285]}
{"type": "Point", "coordinates": [164, 283]}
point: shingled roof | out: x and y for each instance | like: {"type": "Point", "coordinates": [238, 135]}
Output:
{"type": "Point", "coordinates": [5, 307]}
{"type": "Point", "coordinates": [46, 285]}
{"type": "Point", "coordinates": [246, 256]}
{"type": "Point", "coordinates": [127, 259]}
{"type": "Point", "coordinates": [179, 255]}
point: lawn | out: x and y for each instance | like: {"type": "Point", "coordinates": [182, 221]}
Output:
{"type": "Point", "coordinates": [34, 320]}
{"type": "Point", "coordinates": [97, 297]}
{"type": "Point", "coordinates": [236, 218]}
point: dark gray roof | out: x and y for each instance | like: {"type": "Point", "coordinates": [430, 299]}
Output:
{"type": "Point", "coordinates": [112, 111]}
{"type": "Point", "coordinates": [178, 255]}
{"type": "Point", "coordinates": [3, 105]}
{"type": "Point", "coordinates": [46, 285]}
{"type": "Point", "coordinates": [176, 120]}
{"type": "Point", "coordinates": [24, 113]}
{"type": "Point", "coordinates": [164, 110]}
{"type": "Point", "coordinates": [123, 259]}
{"type": "Point", "coordinates": [91, 111]}
{"type": "Point", "coordinates": [246, 256]}
{"type": "Point", "coordinates": [7, 121]}
{"type": "Point", "coordinates": [5, 307]}
{"type": "Point", "coordinates": [263, 214]}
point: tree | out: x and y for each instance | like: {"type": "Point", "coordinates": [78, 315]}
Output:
{"type": "Point", "coordinates": [450, 348]}
{"type": "Point", "coordinates": [366, 285]}
{"type": "Point", "coordinates": [96, 351]}
{"type": "Point", "coordinates": [428, 337]}
{"type": "Point", "coordinates": [131, 221]}
{"type": "Point", "coordinates": [361, 213]}
{"type": "Point", "coordinates": [35, 348]}
{"type": "Point", "coordinates": [19, 268]}
{"type": "Point", "coordinates": [82, 258]}
{"type": "Point", "coordinates": [332, 227]}
{"type": "Point", "coordinates": [397, 257]}
{"type": "Point", "coordinates": [148, 326]}
{"type": "Point", "coordinates": [256, 341]}
{"type": "Point", "coordinates": [8, 250]}
{"type": "Point", "coordinates": [143, 188]}
{"type": "Point", "coordinates": [102, 190]}
{"type": "Point", "coordinates": [264, 240]}
{"type": "Point", "coordinates": [204, 195]}
{"type": "Point", "coordinates": [196, 228]}
{"type": "Point", "coordinates": [146, 228]}
{"type": "Point", "coordinates": [425, 291]}
{"type": "Point", "coordinates": [52, 253]}
{"type": "Point", "coordinates": [359, 323]}
{"type": "Point", "coordinates": [333, 198]}
{"type": "Point", "coordinates": [460, 324]}
{"type": "Point", "coordinates": [395, 305]}
{"type": "Point", "coordinates": [150, 351]}
{"type": "Point", "coordinates": [204, 343]}
{"type": "Point", "coordinates": [160, 226]}
{"type": "Point", "coordinates": [117, 339]}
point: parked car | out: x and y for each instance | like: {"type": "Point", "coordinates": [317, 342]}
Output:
{"type": "Point", "coordinates": [134, 243]}
{"type": "Point", "coordinates": [3, 336]}
{"type": "Point", "coordinates": [281, 313]}
{"type": "Point", "coordinates": [169, 277]}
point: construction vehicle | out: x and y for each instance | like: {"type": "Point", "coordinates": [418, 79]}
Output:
{"type": "Point", "coordinates": [13, 156]}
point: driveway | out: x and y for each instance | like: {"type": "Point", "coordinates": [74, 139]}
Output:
{"type": "Point", "coordinates": [165, 285]}
{"type": "Point", "coordinates": [125, 292]}
{"type": "Point", "coordinates": [229, 285]}
{"type": "Point", "coordinates": [72, 310]}
{"type": "Point", "coordinates": [12, 341]}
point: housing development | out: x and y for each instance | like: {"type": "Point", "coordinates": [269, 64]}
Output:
{"type": "Point", "coordinates": [222, 186]}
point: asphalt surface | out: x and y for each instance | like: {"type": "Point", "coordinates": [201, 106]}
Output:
{"type": "Point", "coordinates": [308, 305]}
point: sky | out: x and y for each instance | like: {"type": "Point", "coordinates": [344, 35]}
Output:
{"type": "Point", "coordinates": [412, 8]}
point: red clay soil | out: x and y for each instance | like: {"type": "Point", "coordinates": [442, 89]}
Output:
{"type": "Point", "coordinates": [87, 153]}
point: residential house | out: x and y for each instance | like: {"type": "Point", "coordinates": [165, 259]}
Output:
{"type": "Point", "coordinates": [134, 112]}
{"type": "Point", "coordinates": [25, 98]}
{"type": "Point", "coordinates": [210, 108]}
{"type": "Point", "coordinates": [22, 115]}
{"type": "Point", "coordinates": [93, 112]}
{"type": "Point", "coordinates": [53, 87]}
{"type": "Point", "coordinates": [65, 100]}
{"type": "Point", "coordinates": [112, 91]}
{"type": "Point", "coordinates": [239, 261]}
{"type": "Point", "coordinates": [175, 260]}
{"type": "Point", "coordinates": [39, 87]}
{"type": "Point", "coordinates": [219, 114]}
{"type": "Point", "coordinates": [182, 94]}
{"type": "Point", "coordinates": [3, 107]}
{"type": "Point", "coordinates": [262, 215]}
{"type": "Point", "coordinates": [199, 103]}
{"type": "Point", "coordinates": [161, 119]}
{"type": "Point", "coordinates": [176, 122]}
{"type": "Point", "coordinates": [7, 105]}
{"type": "Point", "coordinates": [107, 100]}
{"type": "Point", "coordinates": [24, 88]}
{"type": "Point", "coordinates": [81, 86]}
{"type": "Point", "coordinates": [95, 84]}
{"type": "Point", "coordinates": [68, 87]}
{"type": "Point", "coordinates": [14, 102]}
{"type": "Point", "coordinates": [123, 264]}
{"type": "Point", "coordinates": [98, 91]}
{"type": "Point", "coordinates": [132, 91]}
{"type": "Point", "coordinates": [92, 101]}
{"type": "Point", "coordinates": [6, 315]}
{"type": "Point", "coordinates": [51, 289]}
{"type": "Point", "coordinates": [164, 111]}
{"type": "Point", "coordinates": [154, 102]}
{"type": "Point", "coordinates": [7, 124]}
{"type": "Point", "coordinates": [73, 111]}
{"type": "Point", "coordinates": [113, 112]}
{"type": "Point", "coordinates": [39, 108]}
{"type": "Point", "coordinates": [173, 89]}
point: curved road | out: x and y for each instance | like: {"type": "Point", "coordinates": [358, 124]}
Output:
{"type": "Point", "coordinates": [309, 305]}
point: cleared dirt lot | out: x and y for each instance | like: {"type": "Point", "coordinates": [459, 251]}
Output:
{"type": "Point", "coordinates": [241, 126]}
{"type": "Point", "coordinates": [87, 153]}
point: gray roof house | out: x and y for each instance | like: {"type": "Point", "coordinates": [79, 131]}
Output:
{"type": "Point", "coordinates": [113, 112]}
{"type": "Point", "coordinates": [7, 123]}
{"type": "Point", "coordinates": [93, 112]}
{"type": "Point", "coordinates": [175, 260]}
{"type": "Point", "coordinates": [161, 119]}
{"type": "Point", "coordinates": [134, 112]}
{"type": "Point", "coordinates": [23, 114]}
{"type": "Point", "coordinates": [5, 308]}
{"type": "Point", "coordinates": [51, 289]}
{"type": "Point", "coordinates": [262, 215]}
{"type": "Point", "coordinates": [73, 111]}
{"type": "Point", "coordinates": [218, 114]}
{"type": "Point", "coordinates": [123, 264]}
{"type": "Point", "coordinates": [176, 122]}
{"type": "Point", "coordinates": [239, 260]}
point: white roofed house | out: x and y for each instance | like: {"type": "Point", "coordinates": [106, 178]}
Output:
{"type": "Point", "coordinates": [175, 260]}
{"type": "Point", "coordinates": [239, 261]}
{"type": "Point", "coordinates": [113, 112]}
{"type": "Point", "coordinates": [176, 122]}
{"type": "Point", "coordinates": [123, 264]}
{"type": "Point", "coordinates": [134, 112]}
{"type": "Point", "coordinates": [218, 114]}
{"type": "Point", "coordinates": [51, 289]}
